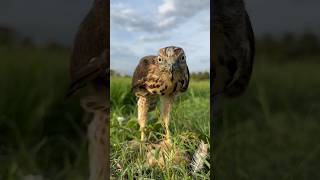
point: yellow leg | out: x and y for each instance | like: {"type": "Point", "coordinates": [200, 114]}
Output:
{"type": "Point", "coordinates": [142, 114]}
{"type": "Point", "coordinates": [165, 114]}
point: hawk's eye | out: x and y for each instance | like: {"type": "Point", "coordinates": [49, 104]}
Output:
{"type": "Point", "coordinates": [183, 58]}
{"type": "Point", "coordinates": [159, 59]}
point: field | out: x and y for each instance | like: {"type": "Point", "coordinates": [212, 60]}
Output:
{"type": "Point", "coordinates": [271, 132]}
{"type": "Point", "coordinates": [189, 125]}
{"type": "Point", "coordinates": [42, 133]}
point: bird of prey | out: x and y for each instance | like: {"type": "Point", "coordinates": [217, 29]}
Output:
{"type": "Point", "coordinates": [164, 75]}
{"type": "Point", "coordinates": [233, 49]}
{"type": "Point", "coordinates": [89, 51]}
{"type": "Point", "coordinates": [89, 63]}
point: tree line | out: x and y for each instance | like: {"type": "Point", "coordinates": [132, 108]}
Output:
{"type": "Point", "coordinates": [286, 47]}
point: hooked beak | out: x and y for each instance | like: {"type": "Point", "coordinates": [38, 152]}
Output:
{"type": "Point", "coordinates": [174, 66]}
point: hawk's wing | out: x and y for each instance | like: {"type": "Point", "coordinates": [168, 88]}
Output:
{"type": "Point", "coordinates": [88, 56]}
{"type": "Point", "coordinates": [185, 80]}
{"type": "Point", "coordinates": [233, 47]}
{"type": "Point", "coordinates": [140, 74]}
{"type": "Point", "coordinates": [138, 85]}
{"type": "Point", "coordinates": [96, 67]}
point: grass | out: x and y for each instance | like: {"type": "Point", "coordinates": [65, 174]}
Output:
{"type": "Point", "coordinates": [189, 125]}
{"type": "Point", "coordinates": [41, 133]}
{"type": "Point", "coordinates": [271, 132]}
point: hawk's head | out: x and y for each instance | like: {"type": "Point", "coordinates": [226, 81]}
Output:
{"type": "Point", "coordinates": [171, 58]}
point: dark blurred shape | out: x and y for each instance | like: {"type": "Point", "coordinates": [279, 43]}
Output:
{"type": "Point", "coordinates": [90, 66]}
{"type": "Point", "coordinates": [232, 54]}
{"type": "Point", "coordinates": [233, 48]}
{"type": "Point", "coordinates": [7, 35]}
{"type": "Point", "coordinates": [91, 41]}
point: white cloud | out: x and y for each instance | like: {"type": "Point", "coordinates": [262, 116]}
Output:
{"type": "Point", "coordinates": [137, 31]}
{"type": "Point", "coordinates": [128, 18]}
{"type": "Point", "coordinates": [166, 7]}
{"type": "Point", "coordinates": [182, 8]}
{"type": "Point", "coordinates": [169, 15]}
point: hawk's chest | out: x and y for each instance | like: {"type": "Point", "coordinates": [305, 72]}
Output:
{"type": "Point", "coordinates": [161, 84]}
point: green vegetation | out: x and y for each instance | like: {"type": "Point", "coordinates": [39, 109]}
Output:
{"type": "Point", "coordinates": [44, 134]}
{"type": "Point", "coordinates": [189, 124]}
{"type": "Point", "coordinates": [41, 132]}
{"type": "Point", "coordinates": [271, 132]}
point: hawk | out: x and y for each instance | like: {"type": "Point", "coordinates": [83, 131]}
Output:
{"type": "Point", "coordinates": [164, 76]}
{"type": "Point", "coordinates": [89, 66]}
{"type": "Point", "coordinates": [233, 49]}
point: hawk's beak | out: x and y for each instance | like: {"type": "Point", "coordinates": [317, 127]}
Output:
{"type": "Point", "coordinates": [174, 66]}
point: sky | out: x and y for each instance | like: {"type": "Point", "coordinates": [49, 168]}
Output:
{"type": "Point", "coordinates": [141, 27]}
{"type": "Point", "coordinates": [281, 16]}
{"type": "Point", "coordinates": [44, 20]}
{"type": "Point", "coordinates": [138, 30]}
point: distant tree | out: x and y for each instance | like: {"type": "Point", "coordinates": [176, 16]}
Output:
{"type": "Point", "coordinates": [27, 42]}
{"type": "Point", "coordinates": [309, 43]}
{"type": "Point", "coordinates": [288, 47]}
{"type": "Point", "coordinates": [7, 36]}
{"type": "Point", "coordinates": [289, 38]}
{"type": "Point", "coordinates": [200, 75]}
{"type": "Point", "coordinates": [54, 45]}
{"type": "Point", "coordinates": [114, 73]}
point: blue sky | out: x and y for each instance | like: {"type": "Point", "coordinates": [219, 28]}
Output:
{"type": "Point", "coordinates": [141, 27]}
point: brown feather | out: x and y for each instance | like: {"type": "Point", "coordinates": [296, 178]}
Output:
{"type": "Point", "coordinates": [140, 74]}
{"type": "Point", "coordinates": [233, 48]}
{"type": "Point", "coordinates": [91, 41]}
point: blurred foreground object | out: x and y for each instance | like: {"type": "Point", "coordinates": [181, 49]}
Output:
{"type": "Point", "coordinates": [89, 63]}
{"type": "Point", "coordinates": [233, 49]}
